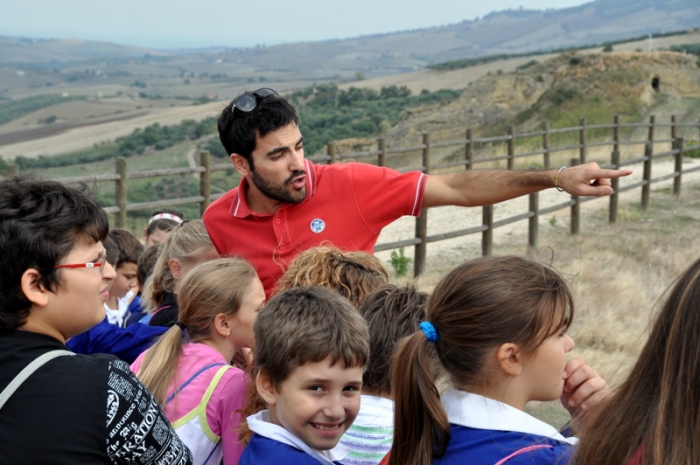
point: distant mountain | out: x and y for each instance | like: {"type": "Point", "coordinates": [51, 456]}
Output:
{"type": "Point", "coordinates": [508, 31]}
{"type": "Point", "coordinates": [295, 65]}
{"type": "Point", "coordinates": [22, 50]}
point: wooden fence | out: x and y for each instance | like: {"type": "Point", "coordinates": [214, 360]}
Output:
{"type": "Point", "coordinates": [471, 158]}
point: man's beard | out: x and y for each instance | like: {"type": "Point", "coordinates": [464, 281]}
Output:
{"type": "Point", "coordinates": [279, 192]}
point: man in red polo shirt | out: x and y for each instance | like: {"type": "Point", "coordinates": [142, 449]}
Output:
{"type": "Point", "coordinates": [285, 204]}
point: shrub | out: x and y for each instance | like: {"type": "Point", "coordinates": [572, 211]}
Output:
{"type": "Point", "coordinates": [400, 262]}
{"type": "Point", "coordinates": [527, 65]}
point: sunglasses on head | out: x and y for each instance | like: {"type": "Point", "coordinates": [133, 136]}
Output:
{"type": "Point", "coordinates": [248, 101]}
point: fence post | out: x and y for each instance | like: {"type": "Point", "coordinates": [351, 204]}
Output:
{"type": "Point", "coordinates": [330, 150]}
{"type": "Point", "coordinates": [678, 168]}
{"type": "Point", "coordinates": [511, 147]}
{"type": "Point", "coordinates": [646, 176]}
{"type": "Point", "coordinates": [582, 139]}
{"type": "Point", "coordinates": [545, 144]}
{"type": "Point", "coordinates": [120, 193]}
{"type": "Point", "coordinates": [12, 169]}
{"type": "Point", "coordinates": [204, 180]}
{"type": "Point", "coordinates": [533, 225]}
{"type": "Point", "coordinates": [469, 150]}
{"type": "Point", "coordinates": [487, 234]}
{"type": "Point", "coordinates": [381, 145]}
{"type": "Point", "coordinates": [652, 127]}
{"type": "Point", "coordinates": [615, 183]}
{"type": "Point", "coordinates": [576, 207]}
{"type": "Point", "coordinates": [674, 127]}
{"type": "Point", "coordinates": [421, 250]}
{"type": "Point", "coordinates": [616, 134]}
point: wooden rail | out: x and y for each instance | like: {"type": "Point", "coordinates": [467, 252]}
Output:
{"type": "Point", "coordinates": [471, 159]}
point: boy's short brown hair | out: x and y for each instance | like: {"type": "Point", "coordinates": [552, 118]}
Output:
{"type": "Point", "coordinates": [128, 247]}
{"type": "Point", "coordinates": [392, 313]}
{"type": "Point", "coordinates": [147, 261]}
{"type": "Point", "coordinates": [306, 325]}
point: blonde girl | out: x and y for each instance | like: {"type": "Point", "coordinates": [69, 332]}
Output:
{"type": "Point", "coordinates": [498, 327]}
{"type": "Point", "coordinates": [188, 370]}
{"type": "Point", "coordinates": [186, 246]}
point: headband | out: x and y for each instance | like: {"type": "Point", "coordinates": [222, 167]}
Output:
{"type": "Point", "coordinates": [165, 216]}
{"type": "Point", "coordinates": [429, 331]}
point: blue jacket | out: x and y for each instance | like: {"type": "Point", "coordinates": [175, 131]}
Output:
{"type": "Point", "coordinates": [486, 447]}
{"type": "Point", "coordinates": [106, 338]}
{"type": "Point", "coordinates": [264, 451]}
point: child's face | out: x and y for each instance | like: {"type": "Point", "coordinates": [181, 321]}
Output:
{"type": "Point", "coordinates": [125, 280]}
{"type": "Point", "coordinates": [242, 321]}
{"type": "Point", "coordinates": [545, 367]}
{"type": "Point", "coordinates": [317, 402]}
{"type": "Point", "coordinates": [77, 304]}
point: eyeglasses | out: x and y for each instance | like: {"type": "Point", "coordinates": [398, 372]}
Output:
{"type": "Point", "coordinates": [99, 263]}
{"type": "Point", "coordinates": [248, 101]}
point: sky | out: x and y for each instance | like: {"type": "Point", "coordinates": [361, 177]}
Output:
{"type": "Point", "coordinates": [236, 23]}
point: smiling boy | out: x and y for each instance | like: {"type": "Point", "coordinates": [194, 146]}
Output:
{"type": "Point", "coordinates": [311, 349]}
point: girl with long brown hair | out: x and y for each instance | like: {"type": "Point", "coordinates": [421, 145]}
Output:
{"type": "Point", "coordinates": [654, 417]}
{"type": "Point", "coordinates": [188, 370]}
{"type": "Point", "coordinates": [498, 327]}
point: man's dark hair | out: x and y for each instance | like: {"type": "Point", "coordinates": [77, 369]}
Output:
{"type": "Point", "coordinates": [128, 247]}
{"type": "Point", "coordinates": [238, 129]}
{"type": "Point", "coordinates": [41, 221]}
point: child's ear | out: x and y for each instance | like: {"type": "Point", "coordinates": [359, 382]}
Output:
{"type": "Point", "coordinates": [221, 325]}
{"type": "Point", "coordinates": [510, 359]}
{"type": "Point", "coordinates": [32, 288]}
{"type": "Point", "coordinates": [266, 389]}
{"type": "Point", "coordinates": [175, 267]}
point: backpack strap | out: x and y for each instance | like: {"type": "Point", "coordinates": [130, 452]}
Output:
{"type": "Point", "coordinates": [27, 372]}
{"type": "Point", "coordinates": [184, 385]}
{"type": "Point", "coordinates": [523, 451]}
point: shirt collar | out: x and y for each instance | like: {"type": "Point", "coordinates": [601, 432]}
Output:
{"type": "Point", "coordinates": [258, 424]}
{"type": "Point", "coordinates": [239, 204]}
{"type": "Point", "coordinates": [476, 411]}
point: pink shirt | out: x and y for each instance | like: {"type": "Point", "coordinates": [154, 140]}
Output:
{"type": "Point", "coordinates": [228, 396]}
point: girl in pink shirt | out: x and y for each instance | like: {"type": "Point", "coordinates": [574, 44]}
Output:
{"type": "Point", "coordinates": [188, 370]}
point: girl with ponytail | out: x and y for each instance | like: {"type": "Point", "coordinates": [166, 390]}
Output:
{"type": "Point", "coordinates": [497, 326]}
{"type": "Point", "coordinates": [188, 370]}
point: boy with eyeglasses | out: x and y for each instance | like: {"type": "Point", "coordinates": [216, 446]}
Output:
{"type": "Point", "coordinates": [285, 204]}
{"type": "Point", "coordinates": [56, 406]}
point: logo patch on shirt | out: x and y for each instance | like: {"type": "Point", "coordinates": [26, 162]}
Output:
{"type": "Point", "coordinates": [318, 225]}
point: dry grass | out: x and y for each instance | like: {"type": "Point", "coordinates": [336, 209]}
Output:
{"type": "Point", "coordinates": [618, 273]}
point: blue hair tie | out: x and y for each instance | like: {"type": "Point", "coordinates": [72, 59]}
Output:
{"type": "Point", "coordinates": [429, 331]}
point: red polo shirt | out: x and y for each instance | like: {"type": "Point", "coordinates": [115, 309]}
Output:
{"type": "Point", "coordinates": [346, 206]}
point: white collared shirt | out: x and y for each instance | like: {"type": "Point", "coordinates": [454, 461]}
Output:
{"type": "Point", "coordinates": [476, 411]}
{"type": "Point", "coordinates": [258, 424]}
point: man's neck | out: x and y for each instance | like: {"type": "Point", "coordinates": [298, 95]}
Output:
{"type": "Point", "coordinates": [259, 202]}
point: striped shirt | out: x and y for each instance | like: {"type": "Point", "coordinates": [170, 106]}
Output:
{"type": "Point", "coordinates": [370, 436]}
